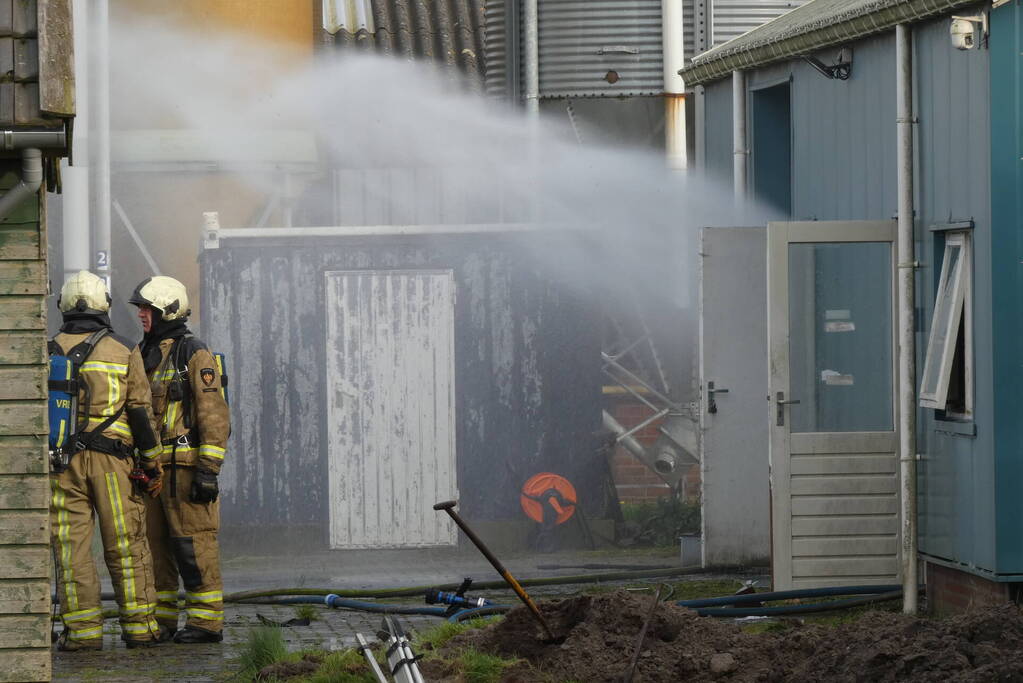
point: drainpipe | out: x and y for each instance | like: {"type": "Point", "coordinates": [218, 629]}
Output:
{"type": "Point", "coordinates": [31, 179]}
{"type": "Point", "coordinates": [740, 148]}
{"type": "Point", "coordinates": [75, 179]}
{"type": "Point", "coordinates": [101, 157]}
{"type": "Point", "coordinates": [906, 298]}
{"type": "Point", "coordinates": [674, 87]}
{"type": "Point", "coordinates": [532, 57]}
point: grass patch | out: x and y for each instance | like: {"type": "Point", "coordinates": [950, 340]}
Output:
{"type": "Point", "coordinates": [694, 590]}
{"type": "Point", "coordinates": [307, 611]}
{"type": "Point", "coordinates": [681, 590]}
{"type": "Point", "coordinates": [478, 667]}
{"type": "Point", "coordinates": [344, 667]}
{"type": "Point", "coordinates": [851, 614]}
{"type": "Point", "coordinates": [264, 647]}
{"type": "Point", "coordinates": [435, 638]}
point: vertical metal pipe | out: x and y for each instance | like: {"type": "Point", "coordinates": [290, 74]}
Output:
{"type": "Point", "coordinates": [75, 179]}
{"type": "Point", "coordinates": [740, 148]}
{"type": "Point", "coordinates": [906, 299]}
{"type": "Point", "coordinates": [673, 49]}
{"type": "Point", "coordinates": [75, 218]}
{"type": "Point", "coordinates": [28, 186]}
{"type": "Point", "coordinates": [101, 136]}
{"type": "Point", "coordinates": [532, 57]}
{"type": "Point", "coordinates": [287, 201]}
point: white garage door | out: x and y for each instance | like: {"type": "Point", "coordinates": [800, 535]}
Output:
{"type": "Point", "coordinates": [390, 407]}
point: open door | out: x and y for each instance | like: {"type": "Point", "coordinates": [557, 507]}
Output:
{"type": "Point", "coordinates": [733, 380]}
{"type": "Point", "coordinates": [832, 407]}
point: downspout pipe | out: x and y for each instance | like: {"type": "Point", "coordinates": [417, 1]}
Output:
{"type": "Point", "coordinates": [100, 156]}
{"type": "Point", "coordinates": [907, 324]}
{"type": "Point", "coordinates": [31, 179]}
{"type": "Point", "coordinates": [531, 58]}
{"type": "Point", "coordinates": [740, 145]}
{"type": "Point", "coordinates": [673, 49]}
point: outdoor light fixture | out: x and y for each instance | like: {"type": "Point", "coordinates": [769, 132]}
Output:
{"type": "Point", "coordinates": [841, 69]}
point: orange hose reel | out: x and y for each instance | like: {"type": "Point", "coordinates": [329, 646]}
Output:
{"type": "Point", "coordinates": [551, 489]}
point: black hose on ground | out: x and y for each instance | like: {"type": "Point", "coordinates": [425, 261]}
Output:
{"type": "Point", "coordinates": [784, 610]}
{"type": "Point", "coordinates": [756, 598]}
{"type": "Point", "coordinates": [267, 596]}
{"type": "Point", "coordinates": [415, 591]}
{"type": "Point", "coordinates": [605, 565]}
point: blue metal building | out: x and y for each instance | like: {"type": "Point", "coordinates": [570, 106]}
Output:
{"type": "Point", "coordinates": [823, 147]}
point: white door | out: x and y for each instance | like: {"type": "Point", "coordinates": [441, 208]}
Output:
{"type": "Point", "coordinates": [832, 416]}
{"type": "Point", "coordinates": [733, 381]}
{"type": "Point", "coordinates": [390, 407]}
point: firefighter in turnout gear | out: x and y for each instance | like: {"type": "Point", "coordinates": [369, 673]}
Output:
{"type": "Point", "coordinates": [193, 423]}
{"type": "Point", "coordinates": [97, 474]}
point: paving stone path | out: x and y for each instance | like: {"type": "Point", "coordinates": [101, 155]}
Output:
{"type": "Point", "coordinates": [335, 629]}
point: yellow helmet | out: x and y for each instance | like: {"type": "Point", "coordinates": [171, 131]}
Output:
{"type": "Point", "coordinates": [165, 294]}
{"type": "Point", "coordinates": [84, 292]}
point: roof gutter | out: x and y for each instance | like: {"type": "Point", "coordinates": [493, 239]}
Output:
{"type": "Point", "coordinates": [213, 236]}
{"type": "Point", "coordinates": [748, 53]}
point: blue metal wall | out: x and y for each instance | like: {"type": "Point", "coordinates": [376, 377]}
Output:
{"type": "Point", "coordinates": [844, 167]}
{"type": "Point", "coordinates": [1007, 220]}
{"type": "Point", "coordinates": [717, 131]}
{"type": "Point", "coordinates": [957, 509]}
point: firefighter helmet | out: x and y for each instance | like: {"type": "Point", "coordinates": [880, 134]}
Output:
{"type": "Point", "coordinates": [85, 293]}
{"type": "Point", "coordinates": [165, 294]}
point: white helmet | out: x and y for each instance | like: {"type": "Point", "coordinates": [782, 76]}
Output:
{"type": "Point", "coordinates": [165, 294]}
{"type": "Point", "coordinates": [84, 292]}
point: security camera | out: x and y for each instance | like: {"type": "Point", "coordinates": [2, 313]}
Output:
{"type": "Point", "coordinates": [968, 32]}
{"type": "Point", "coordinates": [964, 34]}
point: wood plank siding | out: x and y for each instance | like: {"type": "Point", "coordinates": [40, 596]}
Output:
{"type": "Point", "coordinates": [24, 488]}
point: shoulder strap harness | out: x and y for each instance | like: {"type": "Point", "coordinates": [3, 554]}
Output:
{"type": "Point", "coordinates": [78, 354]}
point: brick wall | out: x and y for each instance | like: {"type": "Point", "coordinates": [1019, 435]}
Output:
{"type": "Point", "coordinates": [950, 591]}
{"type": "Point", "coordinates": [634, 481]}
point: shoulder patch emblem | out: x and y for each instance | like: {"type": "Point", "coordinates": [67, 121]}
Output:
{"type": "Point", "coordinates": [207, 376]}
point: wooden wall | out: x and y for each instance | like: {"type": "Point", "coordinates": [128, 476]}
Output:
{"type": "Point", "coordinates": [24, 482]}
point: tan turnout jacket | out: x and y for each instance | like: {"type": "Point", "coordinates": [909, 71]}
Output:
{"type": "Point", "coordinates": [210, 415]}
{"type": "Point", "coordinates": [112, 376]}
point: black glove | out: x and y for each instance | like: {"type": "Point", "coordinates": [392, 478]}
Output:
{"type": "Point", "coordinates": [204, 487]}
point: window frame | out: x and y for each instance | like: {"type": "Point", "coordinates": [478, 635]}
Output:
{"type": "Point", "coordinates": [962, 300]}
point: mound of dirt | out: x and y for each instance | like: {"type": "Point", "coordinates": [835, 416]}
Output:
{"type": "Point", "coordinates": [599, 637]}
{"type": "Point", "coordinates": [284, 670]}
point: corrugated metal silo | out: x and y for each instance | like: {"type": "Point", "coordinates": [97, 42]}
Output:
{"type": "Point", "coordinates": [732, 18]}
{"type": "Point", "coordinates": [582, 42]}
{"type": "Point", "coordinates": [600, 48]}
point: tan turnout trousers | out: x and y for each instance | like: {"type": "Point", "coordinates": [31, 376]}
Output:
{"type": "Point", "coordinates": [183, 534]}
{"type": "Point", "coordinates": [97, 485]}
